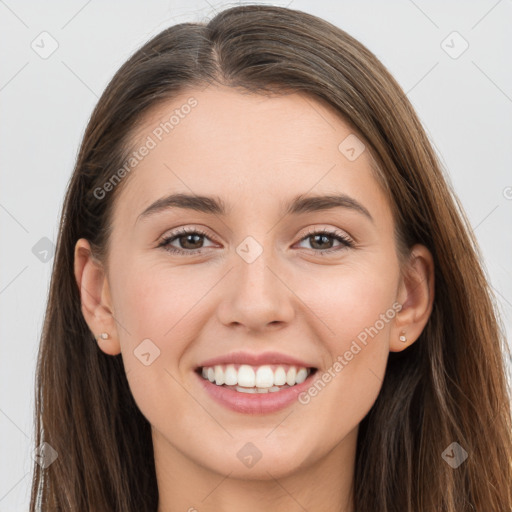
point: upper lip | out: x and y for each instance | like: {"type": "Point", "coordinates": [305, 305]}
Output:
{"type": "Point", "coordinates": [255, 359]}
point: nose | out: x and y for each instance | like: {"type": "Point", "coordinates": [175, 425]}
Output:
{"type": "Point", "coordinates": [256, 296]}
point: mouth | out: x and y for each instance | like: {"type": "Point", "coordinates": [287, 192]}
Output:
{"type": "Point", "coordinates": [244, 378]}
{"type": "Point", "coordinates": [250, 389]}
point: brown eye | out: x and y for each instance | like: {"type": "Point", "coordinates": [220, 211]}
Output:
{"type": "Point", "coordinates": [322, 241]}
{"type": "Point", "coordinates": [190, 242]}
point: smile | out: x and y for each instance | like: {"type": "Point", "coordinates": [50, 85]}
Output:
{"type": "Point", "coordinates": [245, 378]}
{"type": "Point", "coordinates": [255, 388]}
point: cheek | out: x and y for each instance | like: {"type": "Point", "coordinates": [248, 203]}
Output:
{"type": "Point", "coordinates": [160, 311]}
{"type": "Point", "coordinates": [153, 301]}
{"type": "Point", "coordinates": [156, 319]}
{"type": "Point", "coordinates": [351, 299]}
{"type": "Point", "coordinates": [355, 305]}
{"type": "Point", "coordinates": [357, 310]}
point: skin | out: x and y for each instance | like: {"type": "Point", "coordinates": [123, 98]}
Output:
{"type": "Point", "coordinates": [254, 152]}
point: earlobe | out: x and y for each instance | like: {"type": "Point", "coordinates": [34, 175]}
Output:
{"type": "Point", "coordinates": [416, 295]}
{"type": "Point", "coordinates": [95, 298]}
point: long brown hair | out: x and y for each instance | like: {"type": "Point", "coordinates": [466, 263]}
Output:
{"type": "Point", "coordinates": [449, 386]}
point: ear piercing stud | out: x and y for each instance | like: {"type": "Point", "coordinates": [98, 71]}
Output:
{"type": "Point", "coordinates": [104, 335]}
{"type": "Point", "coordinates": [402, 337]}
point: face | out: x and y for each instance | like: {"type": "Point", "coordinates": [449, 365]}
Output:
{"type": "Point", "coordinates": [263, 285]}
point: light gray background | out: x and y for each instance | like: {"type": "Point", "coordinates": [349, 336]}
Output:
{"type": "Point", "coordinates": [465, 104]}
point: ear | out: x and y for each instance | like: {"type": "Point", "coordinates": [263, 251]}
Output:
{"type": "Point", "coordinates": [95, 297]}
{"type": "Point", "coordinates": [416, 294]}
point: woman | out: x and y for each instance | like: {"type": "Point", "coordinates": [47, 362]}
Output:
{"type": "Point", "coordinates": [265, 294]}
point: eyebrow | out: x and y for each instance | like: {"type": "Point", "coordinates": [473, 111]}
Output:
{"type": "Point", "coordinates": [214, 205]}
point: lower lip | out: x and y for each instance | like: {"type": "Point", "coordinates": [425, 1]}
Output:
{"type": "Point", "coordinates": [255, 403]}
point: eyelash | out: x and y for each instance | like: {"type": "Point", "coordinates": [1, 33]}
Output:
{"type": "Point", "coordinates": [165, 243]}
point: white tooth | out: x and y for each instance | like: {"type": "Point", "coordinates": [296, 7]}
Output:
{"type": "Point", "coordinates": [219, 375]}
{"type": "Point", "coordinates": [246, 390]}
{"type": "Point", "coordinates": [246, 377]}
{"type": "Point", "coordinates": [273, 389]}
{"type": "Point", "coordinates": [290, 376]}
{"type": "Point", "coordinates": [279, 376]}
{"type": "Point", "coordinates": [301, 375]}
{"type": "Point", "coordinates": [264, 377]}
{"type": "Point", "coordinates": [230, 376]}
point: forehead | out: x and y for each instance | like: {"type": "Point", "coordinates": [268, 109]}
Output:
{"type": "Point", "coordinates": [251, 149]}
